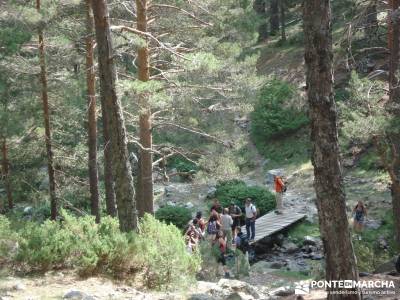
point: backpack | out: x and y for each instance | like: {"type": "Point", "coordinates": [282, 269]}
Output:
{"type": "Point", "coordinates": [212, 227]}
{"type": "Point", "coordinates": [257, 212]}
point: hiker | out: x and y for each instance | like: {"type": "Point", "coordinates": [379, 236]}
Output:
{"type": "Point", "coordinates": [216, 206]}
{"type": "Point", "coordinates": [279, 190]}
{"type": "Point", "coordinates": [235, 212]}
{"type": "Point", "coordinates": [251, 214]}
{"type": "Point", "coordinates": [219, 241]}
{"type": "Point", "coordinates": [241, 240]}
{"type": "Point", "coordinates": [192, 236]}
{"type": "Point", "coordinates": [201, 222]}
{"type": "Point", "coordinates": [226, 226]}
{"type": "Point", "coordinates": [213, 225]}
{"type": "Point", "coordinates": [360, 212]}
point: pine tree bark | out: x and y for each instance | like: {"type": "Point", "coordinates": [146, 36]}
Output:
{"type": "Point", "coordinates": [393, 108]}
{"type": "Point", "coordinates": [259, 8]}
{"type": "Point", "coordinates": [6, 174]}
{"type": "Point", "coordinates": [282, 8]}
{"type": "Point", "coordinates": [371, 20]}
{"type": "Point", "coordinates": [274, 16]}
{"type": "Point", "coordinates": [144, 197]}
{"type": "Point", "coordinates": [92, 117]}
{"type": "Point", "coordinates": [46, 115]}
{"type": "Point", "coordinates": [328, 182]}
{"type": "Point", "coordinates": [122, 175]}
{"type": "Point", "coordinates": [108, 177]}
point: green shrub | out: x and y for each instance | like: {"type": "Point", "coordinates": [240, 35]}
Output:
{"type": "Point", "coordinates": [181, 164]}
{"type": "Point", "coordinates": [164, 255]}
{"type": "Point", "coordinates": [272, 115]}
{"type": "Point", "coordinates": [8, 239]}
{"type": "Point", "coordinates": [237, 191]}
{"type": "Point", "coordinates": [159, 251]}
{"type": "Point", "coordinates": [78, 243]}
{"type": "Point", "coordinates": [176, 215]}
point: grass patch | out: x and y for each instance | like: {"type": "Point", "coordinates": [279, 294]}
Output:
{"type": "Point", "coordinates": [290, 152]}
{"type": "Point", "coordinates": [299, 231]}
{"type": "Point", "coordinates": [368, 251]}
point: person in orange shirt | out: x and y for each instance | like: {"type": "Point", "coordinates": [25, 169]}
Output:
{"type": "Point", "coordinates": [279, 189]}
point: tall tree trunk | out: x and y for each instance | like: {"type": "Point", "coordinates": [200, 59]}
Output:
{"type": "Point", "coordinates": [92, 118]}
{"type": "Point", "coordinates": [145, 179]}
{"type": "Point", "coordinates": [46, 115]}
{"type": "Point", "coordinates": [122, 175]}
{"type": "Point", "coordinates": [274, 16]}
{"type": "Point", "coordinates": [393, 107]}
{"type": "Point", "coordinates": [6, 173]}
{"type": "Point", "coordinates": [108, 177]}
{"type": "Point", "coordinates": [328, 182]}
{"type": "Point", "coordinates": [282, 7]}
{"type": "Point", "coordinates": [371, 20]}
{"type": "Point", "coordinates": [259, 8]}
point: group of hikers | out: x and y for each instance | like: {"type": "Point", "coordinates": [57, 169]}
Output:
{"type": "Point", "coordinates": [222, 230]}
{"type": "Point", "coordinates": [223, 227]}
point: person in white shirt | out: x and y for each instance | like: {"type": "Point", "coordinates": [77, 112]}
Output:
{"type": "Point", "coordinates": [251, 214]}
{"type": "Point", "coordinates": [226, 226]}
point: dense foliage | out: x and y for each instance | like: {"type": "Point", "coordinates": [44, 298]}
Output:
{"type": "Point", "coordinates": [274, 115]}
{"type": "Point", "coordinates": [158, 252]}
{"type": "Point", "coordinates": [237, 191]}
{"type": "Point", "coordinates": [176, 215]}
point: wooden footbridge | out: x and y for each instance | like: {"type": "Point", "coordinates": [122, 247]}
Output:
{"type": "Point", "coordinates": [272, 223]}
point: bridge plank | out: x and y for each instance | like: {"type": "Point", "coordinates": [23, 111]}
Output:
{"type": "Point", "coordinates": [272, 223]}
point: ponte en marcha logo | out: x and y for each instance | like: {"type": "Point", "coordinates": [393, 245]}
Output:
{"type": "Point", "coordinates": [304, 287]}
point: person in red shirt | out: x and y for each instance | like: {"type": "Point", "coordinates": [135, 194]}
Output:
{"type": "Point", "coordinates": [279, 189]}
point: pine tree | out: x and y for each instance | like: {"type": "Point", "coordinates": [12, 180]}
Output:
{"type": "Point", "coordinates": [122, 175]}
{"type": "Point", "coordinates": [46, 116]}
{"type": "Point", "coordinates": [92, 118]}
{"type": "Point", "coordinates": [328, 182]}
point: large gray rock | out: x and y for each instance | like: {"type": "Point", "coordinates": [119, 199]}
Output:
{"type": "Point", "coordinates": [238, 286]}
{"type": "Point", "coordinates": [201, 297]}
{"type": "Point", "coordinates": [211, 192]}
{"type": "Point", "coordinates": [269, 177]}
{"type": "Point", "coordinates": [289, 246]}
{"type": "Point", "coordinates": [239, 296]}
{"type": "Point", "coordinates": [284, 292]}
{"type": "Point", "coordinates": [19, 287]}
{"type": "Point", "coordinates": [75, 295]}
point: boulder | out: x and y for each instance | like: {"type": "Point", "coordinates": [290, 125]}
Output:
{"type": "Point", "coordinates": [189, 205]}
{"type": "Point", "coordinates": [28, 211]}
{"type": "Point", "coordinates": [201, 297]}
{"type": "Point", "coordinates": [19, 287]}
{"type": "Point", "coordinates": [382, 243]}
{"type": "Point", "coordinates": [290, 247]}
{"type": "Point", "coordinates": [277, 265]}
{"type": "Point", "coordinates": [269, 177]}
{"type": "Point", "coordinates": [310, 240]}
{"type": "Point", "coordinates": [316, 256]}
{"type": "Point", "coordinates": [238, 286]}
{"type": "Point", "coordinates": [284, 292]}
{"type": "Point", "coordinates": [239, 296]}
{"type": "Point", "coordinates": [75, 295]}
{"type": "Point", "coordinates": [211, 192]}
